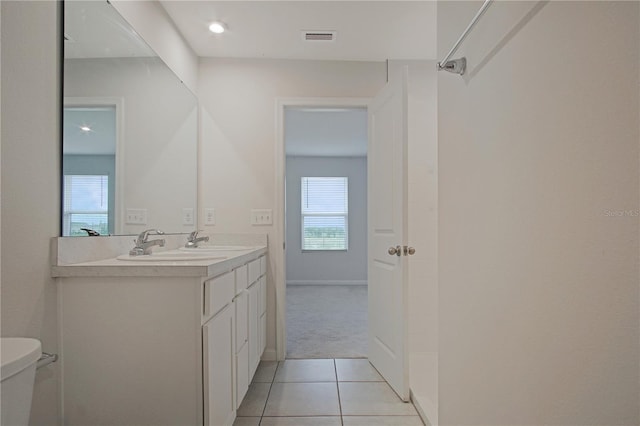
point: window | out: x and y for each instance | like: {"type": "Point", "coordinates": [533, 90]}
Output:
{"type": "Point", "coordinates": [86, 204]}
{"type": "Point", "coordinates": [324, 213]}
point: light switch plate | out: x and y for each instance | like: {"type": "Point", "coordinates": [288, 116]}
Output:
{"type": "Point", "coordinates": [210, 217]}
{"type": "Point", "coordinates": [187, 216]}
{"type": "Point", "coordinates": [261, 217]}
{"type": "Point", "coordinates": [136, 217]}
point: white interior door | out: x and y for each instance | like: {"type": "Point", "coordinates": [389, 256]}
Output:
{"type": "Point", "coordinates": [387, 275]}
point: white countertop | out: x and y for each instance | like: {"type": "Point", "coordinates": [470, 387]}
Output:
{"type": "Point", "coordinates": [113, 267]}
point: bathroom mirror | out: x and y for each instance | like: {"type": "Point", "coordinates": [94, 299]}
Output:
{"type": "Point", "coordinates": [129, 131]}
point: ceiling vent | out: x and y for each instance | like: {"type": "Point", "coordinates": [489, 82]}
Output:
{"type": "Point", "coordinates": [319, 35]}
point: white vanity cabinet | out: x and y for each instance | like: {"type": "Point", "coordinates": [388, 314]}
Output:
{"type": "Point", "coordinates": [257, 301]}
{"type": "Point", "coordinates": [217, 350]}
{"type": "Point", "coordinates": [177, 348]}
{"type": "Point", "coordinates": [241, 302]}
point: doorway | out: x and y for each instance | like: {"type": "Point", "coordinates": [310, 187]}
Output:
{"type": "Point", "coordinates": [325, 230]}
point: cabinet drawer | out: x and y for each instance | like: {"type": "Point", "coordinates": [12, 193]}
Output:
{"type": "Point", "coordinates": [218, 292]}
{"type": "Point", "coordinates": [263, 265]}
{"type": "Point", "coordinates": [254, 271]}
{"type": "Point", "coordinates": [242, 280]}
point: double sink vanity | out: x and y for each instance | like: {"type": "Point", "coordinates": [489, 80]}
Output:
{"type": "Point", "coordinates": [167, 338]}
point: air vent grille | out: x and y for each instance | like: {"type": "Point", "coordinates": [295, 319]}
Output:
{"type": "Point", "coordinates": [319, 35]}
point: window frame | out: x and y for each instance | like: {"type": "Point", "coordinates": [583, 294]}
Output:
{"type": "Point", "coordinates": [344, 214]}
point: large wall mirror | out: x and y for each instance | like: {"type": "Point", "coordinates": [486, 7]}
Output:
{"type": "Point", "coordinates": [129, 131]}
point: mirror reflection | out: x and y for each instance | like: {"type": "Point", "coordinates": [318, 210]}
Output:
{"type": "Point", "coordinates": [129, 131]}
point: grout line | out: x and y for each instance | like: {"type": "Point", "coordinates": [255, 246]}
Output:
{"type": "Point", "coordinates": [269, 393]}
{"type": "Point", "coordinates": [335, 370]}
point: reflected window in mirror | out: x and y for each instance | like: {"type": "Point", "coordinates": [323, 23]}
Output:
{"type": "Point", "coordinates": [86, 205]}
{"type": "Point", "coordinates": [89, 169]}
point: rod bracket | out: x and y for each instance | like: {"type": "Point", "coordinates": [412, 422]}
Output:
{"type": "Point", "coordinates": [456, 66]}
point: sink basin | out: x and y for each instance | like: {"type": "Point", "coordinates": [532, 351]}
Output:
{"type": "Point", "coordinates": [204, 248]}
{"type": "Point", "coordinates": [173, 256]}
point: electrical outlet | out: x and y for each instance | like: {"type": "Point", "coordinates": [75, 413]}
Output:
{"type": "Point", "coordinates": [136, 217]}
{"type": "Point", "coordinates": [187, 216]}
{"type": "Point", "coordinates": [261, 217]}
{"type": "Point", "coordinates": [209, 216]}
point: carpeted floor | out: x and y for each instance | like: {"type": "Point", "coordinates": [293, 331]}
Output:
{"type": "Point", "coordinates": [326, 321]}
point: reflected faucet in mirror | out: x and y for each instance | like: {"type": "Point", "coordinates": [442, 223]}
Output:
{"type": "Point", "coordinates": [143, 244]}
{"type": "Point", "coordinates": [193, 239]}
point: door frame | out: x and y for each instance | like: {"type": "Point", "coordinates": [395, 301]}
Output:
{"type": "Point", "coordinates": [279, 260]}
{"type": "Point", "coordinates": [118, 104]}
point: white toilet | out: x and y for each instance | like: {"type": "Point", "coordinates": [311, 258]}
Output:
{"type": "Point", "coordinates": [19, 357]}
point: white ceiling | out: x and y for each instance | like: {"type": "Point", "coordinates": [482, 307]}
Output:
{"type": "Point", "coordinates": [326, 132]}
{"type": "Point", "coordinates": [100, 140]}
{"type": "Point", "coordinates": [366, 30]}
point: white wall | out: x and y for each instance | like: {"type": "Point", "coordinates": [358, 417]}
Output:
{"type": "Point", "coordinates": [160, 136]}
{"type": "Point", "coordinates": [538, 197]}
{"type": "Point", "coordinates": [30, 183]}
{"type": "Point", "coordinates": [325, 267]}
{"type": "Point", "coordinates": [150, 20]}
{"type": "Point", "coordinates": [238, 138]}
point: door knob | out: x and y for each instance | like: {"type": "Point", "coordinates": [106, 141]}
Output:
{"type": "Point", "coordinates": [409, 251]}
{"type": "Point", "coordinates": [397, 250]}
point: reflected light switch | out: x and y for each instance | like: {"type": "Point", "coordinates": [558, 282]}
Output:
{"type": "Point", "coordinates": [209, 217]}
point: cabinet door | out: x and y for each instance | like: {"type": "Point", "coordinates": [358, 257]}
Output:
{"type": "Point", "coordinates": [242, 375]}
{"type": "Point", "coordinates": [263, 333]}
{"type": "Point", "coordinates": [242, 319]}
{"type": "Point", "coordinates": [254, 328]}
{"type": "Point", "coordinates": [217, 339]}
{"type": "Point", "coordinates": [263, 315]}
{"type": "Point", "coordinates": [263, 294]}
{"type": "Point", "coordinates": [242, 345]}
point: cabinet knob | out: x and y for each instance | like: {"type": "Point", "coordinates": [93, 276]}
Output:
{"type": "Point", "coordinates": [409, 251]}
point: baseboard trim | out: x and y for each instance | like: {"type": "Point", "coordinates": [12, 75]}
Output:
{"type": "Point", "coordinates": [269, 355]}
{"type": "Point", "coordinates": [419, 409]}
{"type": "Point", "coordinates": [327, 282]}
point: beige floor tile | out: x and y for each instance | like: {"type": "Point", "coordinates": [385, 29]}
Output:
{"type": "Point", "coordinates": [306, 370]}
{"type": "Point", "coordinates": [381, 421]}
{"type": "Point", "coordinates": [372, 399]}
{"type": "Point", "coordinates": [303, 399]}
{"type": "Point", "coordinates": [265, 372]}
{"type": "Point", "coordinates": [254, 401]}
{"type": "Point", "coordinates": [301, 421]}
{"type": "Point", "coordinates": [247, 421]}
{"type": "Point", "coordinates": [357, 370]}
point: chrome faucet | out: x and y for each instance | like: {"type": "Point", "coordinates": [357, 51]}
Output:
{"type": "Point", "coordinates": [193, 239]}
{"type": "Point", "coordinates": [143, 245]}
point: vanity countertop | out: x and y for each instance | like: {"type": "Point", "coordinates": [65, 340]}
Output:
{"type": "Point", "coordinates": [113, 267]}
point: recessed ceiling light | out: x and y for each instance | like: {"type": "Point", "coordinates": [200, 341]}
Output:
{"type": "Point", "coordinates": [85, 128]}
{"type": "Point", "coordinates": [217, 27]}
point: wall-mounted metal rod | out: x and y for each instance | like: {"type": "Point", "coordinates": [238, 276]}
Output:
{"type": "Point", "coordinates": [46, 359]}
{"type": "Point", "coordinates": [442, 65]}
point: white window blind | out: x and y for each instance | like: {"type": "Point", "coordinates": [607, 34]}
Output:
{"type": "Point", "coordinates": [325, 213]}
{"type": "Point", "coordinates": [86, 204]}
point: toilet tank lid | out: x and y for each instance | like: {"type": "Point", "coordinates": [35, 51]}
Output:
{"type": "Point", "coordinates": [17, 353]}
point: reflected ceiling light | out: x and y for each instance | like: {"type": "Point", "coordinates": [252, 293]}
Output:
{"type": "Point", "coordinates": [217, 27]}
{"type": "Point", "coordinates": [85, 128]}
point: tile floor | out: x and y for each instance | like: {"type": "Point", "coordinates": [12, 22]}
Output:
{"type": "Point", "coordinates": [322, 392]}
